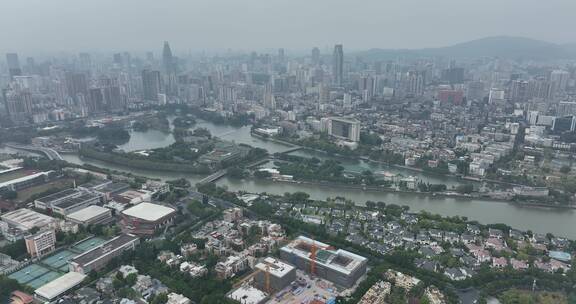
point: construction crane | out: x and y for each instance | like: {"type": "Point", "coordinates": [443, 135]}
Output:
{"type": "Point", "coordinates": [313, 259]}
{"type": "Point", "coordinates": [313, 252]}
{"type": "Point", "coordinates": [267, 287]}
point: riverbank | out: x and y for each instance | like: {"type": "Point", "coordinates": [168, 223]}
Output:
{"type": "Point", "coordinates": [118, 159]}
{"type": "Point", "coordinates": [424, 194]}
{"type": "Point", "coordinates": [397, 166]}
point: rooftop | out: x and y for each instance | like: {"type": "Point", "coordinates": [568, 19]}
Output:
{"type": "Point", "coordinates": [23, 179]}
{"type": "Point", "coordinates": [26, 219]}
{"type": "Point", "coordinates": [72, 201]}
{"type": "Point", "coordinates": [58, 195]}
{"type": "Point", "coordinates": [88, 213]}
{"type": "Point", "coordinates": [148, 211]}
{"type": "Point", "coordinates": [60, 285]}
{"type": "Point", "coordinates": [97, 252]}
{"type": "Point", "coordinates": [248, 295]}
{"type": "Point", "coordinates": [337, 259]}
{"type": "Point", "coordinates": [275, 267]}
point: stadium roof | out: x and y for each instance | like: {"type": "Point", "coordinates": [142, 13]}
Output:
{"type": "Point", "coordinates": [148, 211]}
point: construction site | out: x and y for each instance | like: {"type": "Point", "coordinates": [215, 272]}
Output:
{"type": "Point", "coordinates": [309, 272]}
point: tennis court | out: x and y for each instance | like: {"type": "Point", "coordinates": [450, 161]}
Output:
{"type": "Point", "coordinates": [33, 273]}
{"type": "Point", "coordinates": [89, 244]}
{"type": "Point", "coordinates": [59, 260]}
{"type": "Point", "coordinates": [43, 280]}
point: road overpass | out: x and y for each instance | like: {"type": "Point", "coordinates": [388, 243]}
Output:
{"type": "Point", "coordinates": [51, 154]}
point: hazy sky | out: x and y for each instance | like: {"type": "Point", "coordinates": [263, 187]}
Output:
{"type": "Point", "coordinates": [116, 25]}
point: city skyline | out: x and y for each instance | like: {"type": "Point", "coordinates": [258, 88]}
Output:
{"type": "Point", "coordinates": [252, 24]}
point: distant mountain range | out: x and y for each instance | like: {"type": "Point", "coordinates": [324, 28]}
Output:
{"type": "Point", "coordinates": [500, 46]}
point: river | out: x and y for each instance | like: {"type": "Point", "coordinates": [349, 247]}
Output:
{"type": "Point", "coordinates": [560, 222]}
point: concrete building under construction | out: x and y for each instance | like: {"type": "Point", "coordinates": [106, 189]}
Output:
{"type": "Point", "coordinates": [338, 266]}
{"type": "Point", "coordinates": [273, 275]}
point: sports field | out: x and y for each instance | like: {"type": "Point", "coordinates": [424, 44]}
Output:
{"type": "Point", "coordinates": [54, 265]}
{"type": "Point", "coordinates": [59, 260]}
{"type": "Point", "coordinates": [89, 244]}
{"type": "Point", "coordinates": [34, 275]}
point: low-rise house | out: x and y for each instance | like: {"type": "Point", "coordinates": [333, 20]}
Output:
{"type": "Point", "coordinates": [423, 239]}
{"type": "Point", "coordinates": [539, 239]}
{"type": "Point", "coordinates": [451, 237]}
{"type": "Point", "coordinates": [468, 238]}
{"type": "Point", "coordinates": [356, 239]}
{"type": "Point", "coordinates": [105, 285]}
{"type": "Point", "coordinates": [551, 266]}
{"type": "Point", "coordinates": [495, 233]}
{"type": "Point", "coordinates": [229, 267]}
{"type": "Point", "coordinates": [149, 287]}
{"type": "Point", "coordinates": [496, 244]}
{"type": "Point", "coordinates": [434, 295]}
{"type": "Point", "coordinates": [473, 229]}
{"type": "Point", "coordinates": [380, 248]}
{"type": "Point", "coordinates": [409, 218]}
{"type": "Point", "coordinates": [393, 240]}
{"type": "Point", "coordinates": [436, 234]}
{"type": "Point", "coordinates": [427, 264]}
{"type": "Point", "coordinates": [408, 236]}
{"type": "Point", "coordinates": [455, 274]}
{"type": "Point", "coordinates": [392, 225]}
{"type": "Point", "coordinates": [174, 298]}
{"type": "Point", "coordinates": [457, 252]}
{"type": "Point", "coordinates": [193, 269]}
{"type": "Point", "coordinates": [499, 262]}
{"type": "Point", "coordinates": [470, 261]}
{"type": "Point", "coordinates": [127, 270]}
{"type": "Point", "coordinates": [560, 243]}
{"type": "Point", "coordinates": [518, 264]}
{"type": "Point", "coordinates": [480, 254]}
{"type": "Point", "coordinates": [188, 250]}
{"type": "Point", "coordinates": [402, 280]}
{"type": "Point", "coordinates": [516, 234]}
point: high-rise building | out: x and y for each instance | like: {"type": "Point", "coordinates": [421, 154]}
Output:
{"type": "Point", "coordinates": [496, 95]}
{"type": "Point", "coordinates": [519, 90]}
{"type": "Point", "coordinates": [539, 88]}
{"type": "Point", "coordinates": [475, 90]}
{"type": "Point", "coordinates": [106, 96]}
{"type": "Point", "coordinates": [416, 83]}
{"type": "Point", "coordinates": [338, 65]}
{"type": "Point", "coordinates": [453, 75]}
{"type": "Point", "coordinates": [150, 56]}
{"type": "Point", "coordinates": [281, 55]}
{"type": "Point", "coordinates": [13, 64]}
{"type": "Point", "coordinates": [167, 59]}
{"type": "Point", "coordinates": [85, 61]}
{"type": "Point", "coordinates": [344, 128]}
{"type": "Point", "coordinates": [151, 85]}
{"type": "Point", "coordinates": [18, 103]}
{"type": "Point", "coordinates": [559, 80]}
{"type": "Point", "coordinates": [169, 66]}
{"type": "Point", "coordinates": [566, 108]}
{"type": "Point", "coordinates": [76, 84]}
{"type": "Point", "coordinates": [315, 56]}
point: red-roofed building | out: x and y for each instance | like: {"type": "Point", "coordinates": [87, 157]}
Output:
{"type": "Point", "coordinates": [19, 297]}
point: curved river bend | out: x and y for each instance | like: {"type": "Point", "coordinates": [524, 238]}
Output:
{"type": "Point", "coordinates": [561, 222]}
